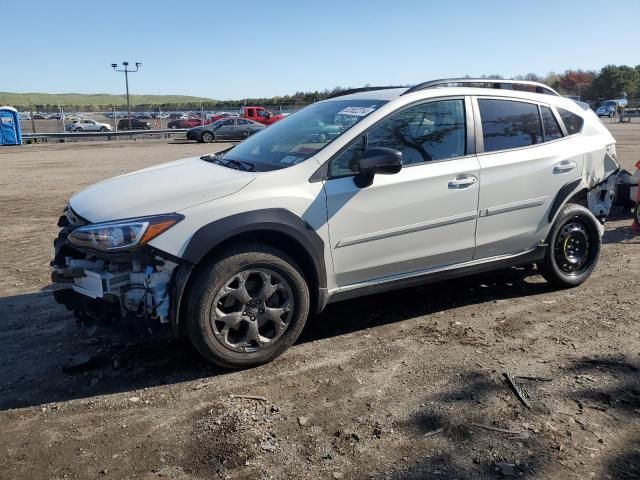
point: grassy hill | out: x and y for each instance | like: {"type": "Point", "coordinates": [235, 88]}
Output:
{"type": "Point", "coordinates": [90, 99]}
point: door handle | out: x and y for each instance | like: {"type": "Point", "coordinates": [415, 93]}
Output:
{"type": "Point", "coordinates": [462, 182]}
{"type": "Point", "coordinates": [564, 167]}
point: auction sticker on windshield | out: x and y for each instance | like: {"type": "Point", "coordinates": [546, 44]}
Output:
{"type": "Point", "coordinates": [357, 111]}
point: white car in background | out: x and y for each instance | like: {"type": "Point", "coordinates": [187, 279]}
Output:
{"type": "Point", "coordinates": [87, 125]}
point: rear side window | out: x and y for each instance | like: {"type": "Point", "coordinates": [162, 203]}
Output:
{"type": "Point", "coordinates": [550, 124]}
{"type": "Point", "coordinates": [507, 124]}
{"type": "Point", "coordinates": [572, 121]}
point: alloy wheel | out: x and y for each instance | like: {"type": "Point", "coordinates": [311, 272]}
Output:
{"type": "Point", "coordinates": [252, 310]}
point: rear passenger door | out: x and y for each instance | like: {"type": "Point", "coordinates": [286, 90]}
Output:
{"type": "Point", "coordinates": [525, 160]}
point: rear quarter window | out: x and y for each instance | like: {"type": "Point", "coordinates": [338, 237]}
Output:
{"type": "Point", "coordinates": [571, 121]}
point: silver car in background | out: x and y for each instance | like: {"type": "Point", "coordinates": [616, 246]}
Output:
{"type": "Point", "coordinates": [225, 129]}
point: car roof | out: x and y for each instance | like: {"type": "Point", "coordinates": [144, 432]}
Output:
{"type": "Point", "coordinates": [389, 94]}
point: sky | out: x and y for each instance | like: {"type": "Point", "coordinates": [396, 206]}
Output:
{"type": "Point", "coordinates": [234, 49]}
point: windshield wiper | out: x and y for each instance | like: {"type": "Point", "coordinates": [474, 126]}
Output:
{"type": "Point", "coordinates": [249, 167]}
{"type": "Point", "coordinates": [237, 164]}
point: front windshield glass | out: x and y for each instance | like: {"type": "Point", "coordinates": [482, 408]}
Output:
{"type": "Point", "coordinates": [301, 135]}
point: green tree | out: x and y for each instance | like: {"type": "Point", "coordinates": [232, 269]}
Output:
{"type": "Point", "coordinates": [615, 81]}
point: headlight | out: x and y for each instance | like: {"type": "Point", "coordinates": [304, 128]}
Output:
{"type": "Point", "coordinates": [123, 234]}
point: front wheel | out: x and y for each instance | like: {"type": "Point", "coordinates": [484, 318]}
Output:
{"type": "Point", "coordinates": [573, 247]}
{"type": "Point", "coordinates": [636, 213]}
{"type": "Point", "coordinates": [208, 137]}
{"type": "Point", "coordinates": [248, 307]}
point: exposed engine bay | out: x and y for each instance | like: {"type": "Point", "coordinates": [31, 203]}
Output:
{"type": "Point", "coordinates": [133, 284]}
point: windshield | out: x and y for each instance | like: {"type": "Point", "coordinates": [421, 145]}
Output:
{"type": "Point", "coordinates": [301, 135]}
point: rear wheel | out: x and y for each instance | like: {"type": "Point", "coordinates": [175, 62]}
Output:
{"type": "Point", "coordinates": [573, 247]}
{"type": "Point", "coordinates": [208, 137]}
{"type": "Point", "coordinates": [247, 307]}
{"type": "Point", "coordinates": [636, 213]}
{"type": "Point", "coordinates": [79, 129]}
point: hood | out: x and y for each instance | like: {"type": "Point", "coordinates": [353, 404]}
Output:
{"type": "Point", "coordinates": [165, 188]}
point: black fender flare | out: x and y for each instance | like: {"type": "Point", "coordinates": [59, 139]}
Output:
{"type": "Point", "coordinates": [562, 196]}
{"type": "Point", "coordinates": [278, 220]}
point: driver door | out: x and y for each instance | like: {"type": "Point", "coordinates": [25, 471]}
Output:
{"type": "Point", "coordinates": [226, 129]}
{"type": "Point", "coordinates": [421, 218]}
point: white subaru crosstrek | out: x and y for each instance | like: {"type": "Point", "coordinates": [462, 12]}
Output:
{"type": "Point", "coordinates": [440, 180]}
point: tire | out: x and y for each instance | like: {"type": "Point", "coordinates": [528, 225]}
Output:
{"type": "Point", "coordinates": [207, 137]}
{"type": "Point", "coordinates": [234, 281]}
{"type": "Point", "coordinates": [636, 213]}
{"type": "Point", "coordinates": [573, 247]}
{"type": "Point", "coordinates": [104, 129]}
{"type": "Point", "coordinates": [79, 129]}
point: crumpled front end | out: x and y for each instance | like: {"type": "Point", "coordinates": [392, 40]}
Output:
{"type": "Point", "coordinates": [132, 285]}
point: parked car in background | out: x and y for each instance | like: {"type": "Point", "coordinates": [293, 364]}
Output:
{"type": "Point", "coordinates": [87, 125]}
{"type": "Point", "coordinates": [610, 108]}
{"type": "Point", "coordinates": [260, 114]}
{"type": "Point", "coordinates": [184, 123]}
{"type": "Point", "coordinates": [225, 129]}
{"type": "Point", "coordinates": [136, 124]}
{"type": "Point", "coordinates": [217, 116]}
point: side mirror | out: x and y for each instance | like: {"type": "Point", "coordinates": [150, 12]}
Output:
{"type": "Point", "coordinates": [377, 160]}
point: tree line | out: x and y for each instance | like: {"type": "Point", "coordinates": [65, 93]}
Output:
{"type": "Point", "coordinates": [611, 81]}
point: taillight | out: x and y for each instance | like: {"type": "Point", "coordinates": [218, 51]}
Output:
{"type": "Point", "coordinates": [638, 164]}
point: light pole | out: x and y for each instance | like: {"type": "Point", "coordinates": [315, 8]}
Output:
{"type": "Point", "coordinates": [126, 81]}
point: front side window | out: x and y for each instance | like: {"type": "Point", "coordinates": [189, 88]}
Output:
{"type": "Point", "coordinates": [572, 122]}
{"type": "Point", "coordinates": [508, 124]}
{"type": "Point", "coordinates": [301, 135]}
{"type": "Point", "coordinates": [423, 133]}
{"type": "Point", "coordinates": [551, 128]}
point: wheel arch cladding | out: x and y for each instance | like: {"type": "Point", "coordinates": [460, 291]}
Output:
{"type": "Point", "coordinates": [564, 194]}
{"type": "Point", "coordinates": [276, 227]}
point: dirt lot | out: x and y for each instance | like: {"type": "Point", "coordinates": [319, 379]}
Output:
{"type": "Point", "coordinates": [406, 385]}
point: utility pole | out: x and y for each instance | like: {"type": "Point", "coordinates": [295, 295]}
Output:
{"type": "Point", "coordinates": [126, 81]}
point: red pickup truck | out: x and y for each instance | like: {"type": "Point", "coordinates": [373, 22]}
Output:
{"type": "Point", "coordinates": [260, 114]}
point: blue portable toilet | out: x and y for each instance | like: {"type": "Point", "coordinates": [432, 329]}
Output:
{"type": "Point", "coordinates": [10, 133]}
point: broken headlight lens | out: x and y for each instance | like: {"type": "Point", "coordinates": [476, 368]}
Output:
{"type": "Point", "coordinates": [122, 234]}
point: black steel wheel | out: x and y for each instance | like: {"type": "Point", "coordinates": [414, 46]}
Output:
{"type": "Point", "coordinates": [573, 247]}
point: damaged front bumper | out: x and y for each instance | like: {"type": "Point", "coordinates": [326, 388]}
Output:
{"type": "Point", "coordinates": [133, 285]}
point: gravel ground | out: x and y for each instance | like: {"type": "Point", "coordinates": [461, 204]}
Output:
{"type": "Point", "coordinates": [405, 385]}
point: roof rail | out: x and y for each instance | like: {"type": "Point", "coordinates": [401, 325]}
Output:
{"type": "Point", "coordinates": [485, 83]}
{"type": "Point", "coordinates": [358, 90]}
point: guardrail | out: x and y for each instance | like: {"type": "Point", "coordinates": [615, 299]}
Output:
{"type": "Point", "coordinates": [627, 116]}
{"type": "Point", "coordinates": [121, 133]}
